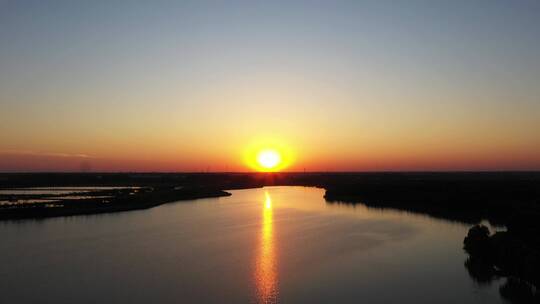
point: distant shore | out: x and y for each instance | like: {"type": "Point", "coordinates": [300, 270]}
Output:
{"type": "Point", "coordinates": [120, 202]}
{"type": "Point", "coordinates": [467, 197]}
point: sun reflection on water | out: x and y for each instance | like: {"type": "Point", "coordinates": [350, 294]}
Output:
{"type": "Point", "coordinates": [265, 267]}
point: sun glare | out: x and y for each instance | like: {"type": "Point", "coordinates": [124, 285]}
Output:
{"type": "Point", "coordinates": [266, 155]}
{"type": "Point", "coordinates": [268, 159]}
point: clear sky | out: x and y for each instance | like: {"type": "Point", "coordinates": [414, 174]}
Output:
{"type": "Point", "coordinates": [344, 85]}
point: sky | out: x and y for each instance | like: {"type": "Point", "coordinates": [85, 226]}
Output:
{"type": "Point", "coordinates": [341, 85]}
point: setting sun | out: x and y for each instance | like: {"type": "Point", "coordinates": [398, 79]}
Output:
{"type": "Point", "coordinates": [269, 155]}
{"type": "Point", "coordinates": [268, 159]}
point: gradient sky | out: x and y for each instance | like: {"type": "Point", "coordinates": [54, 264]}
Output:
{"type": "Point", "coordinates": [346, 85]}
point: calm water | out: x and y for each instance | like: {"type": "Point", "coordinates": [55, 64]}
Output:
{"type": "Point", "coordinates": [278, 244]}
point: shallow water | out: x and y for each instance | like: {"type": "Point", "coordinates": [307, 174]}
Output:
{"type": "Point", "coordinates": [276, 244]}
{"type": "Point", "coordinates": [57, 190]}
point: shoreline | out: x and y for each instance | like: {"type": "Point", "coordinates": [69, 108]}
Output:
{"type": "Point", "coordinates": [466, 197]}
{"type": "Point", "coordinates": [115, 204]}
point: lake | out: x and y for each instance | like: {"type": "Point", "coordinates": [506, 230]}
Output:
{"type": "Point", "coordinates": [265, 245]}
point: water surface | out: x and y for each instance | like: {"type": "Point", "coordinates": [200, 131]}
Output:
{"type": "Point", "coordinates": [276, 244]}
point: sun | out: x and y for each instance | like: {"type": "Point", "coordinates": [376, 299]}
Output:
{"type": "Point", "coordinates": [269, 159]}
{"type": "Point", "coordinates": [268, 155]}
